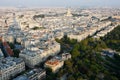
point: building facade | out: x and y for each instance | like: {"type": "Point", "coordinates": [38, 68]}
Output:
{"type": "Point", "coordinates": [54, 64]}
{"type": "Point", "coordinates": [9, 67]}
{"type": "Point", "coordinates": [35, 74]}
{"type": "Point", "coordinates": [32, 55]}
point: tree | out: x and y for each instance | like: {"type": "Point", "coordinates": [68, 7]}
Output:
{"type": "Point", "coordinates": [80, 78]}
{"type": "Point", "coordinates": [50, 75]}
{"type": "Point", "coordinates": [70, 78]}
{"type": "Point", "coordinates": [75, 53]}
{"type": "Point", "coordinates": [16, 52]}
{"type": "Point", "coordinates": [12, 46]}
{"type": "Point", "coordinates": [69, 66]}
{"type": "Point", "coordinates": [61, 73]}
{"type": "Point", "coordinates": [48, 71]}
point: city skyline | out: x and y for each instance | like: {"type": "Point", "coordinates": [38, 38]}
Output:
{"type": "Point", "coordinates": [59, 40]}
{"type": "Point", "coordinates": [60, 3]}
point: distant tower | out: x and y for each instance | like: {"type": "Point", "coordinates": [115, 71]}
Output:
{"type": "Point", "coordinates": [15, 23]}
{"type": "Point", "coordinates": [14, 20]}
{"type": "Point", "coordinates": [69, 12]}
{"type": "Point", "coordinates": [13, 15]}
{"type": "Point", "coordinates": [6, 23]}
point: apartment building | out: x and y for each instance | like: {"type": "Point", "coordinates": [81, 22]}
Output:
{"type": "Point", "coordinates": [9, 67]}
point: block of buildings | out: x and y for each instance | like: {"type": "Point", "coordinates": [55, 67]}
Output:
{"type": "Point", "coordinates": [32, 55]}
{"type": "Point", "coordinates": [10, 67]}
{"type": "Point", "coordinates": [35, 74]}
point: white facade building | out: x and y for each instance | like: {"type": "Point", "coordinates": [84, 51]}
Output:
{"type": "Point", "coordinates": [33, 55]}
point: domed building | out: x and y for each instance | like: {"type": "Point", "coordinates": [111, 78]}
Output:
{"type": "Point", "coordinates": [69, 14]}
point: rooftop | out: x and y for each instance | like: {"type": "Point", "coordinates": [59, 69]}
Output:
{"type": "Point", "coordinates": [52, 62]}
{"type": "Point", "coordinates": [8, 62]}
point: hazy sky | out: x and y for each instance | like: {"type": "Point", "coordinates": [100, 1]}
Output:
{"type": "Point", "coordinates": [60, 3]}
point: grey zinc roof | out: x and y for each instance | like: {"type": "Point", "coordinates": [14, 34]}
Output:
{"type": "Point", "coordinates": [21, 78]}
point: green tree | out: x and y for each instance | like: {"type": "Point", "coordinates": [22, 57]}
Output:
{"type": "Point", "coordinates": [12, 46]}
{"type": "Point", "coordinates": [75, 53]}
{"type": "Point", "coordinates": [16, 52]}
{"type": "Point", "coordinates": [69, 66]}
{"type": "Point", "coordinates": [70, 78]}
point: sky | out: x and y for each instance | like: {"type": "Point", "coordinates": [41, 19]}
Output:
{"type": "Point", "coordinates": [60, 3]}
